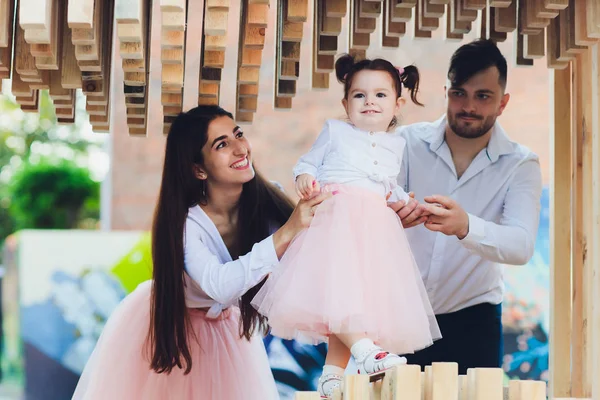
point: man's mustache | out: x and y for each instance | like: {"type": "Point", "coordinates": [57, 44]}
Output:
{"type": "Point", "coordinates": [464, 115]}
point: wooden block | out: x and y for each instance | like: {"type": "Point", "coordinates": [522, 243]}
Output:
{"type": "Point", "coordinates": [35, 14]}
{"type": "Point", "coordinates": [258, 15]}
{"type": "Point", "coordinates": [526, 390]}
{"type": "Point", "coordinates": [290, 51]}
{"type": "Point", "coordinates": [172, 5]}
{"type": "Point", "coordinates": [173, 21]}
{"type": "Point", "coordinates": [485, 384]}
{"type": "Point", "coordinates": [432, 10]}
{"type": "Point", "coordinates": [37, 36]}
{"type": "Point", "coordinates": [534, 46]}
{"type": "Point", "coordinates": [335, 8]}
{"type": "Point", "coordinates": [506, 18]}
{"type": "Point", "coordinates": [248, 90]}
{"type": "Point", "coordinates": [356, 387]}
{"type": "Point", "coordinates": [444, 381]}
{"type": "Point", "coordinates": [297, 10]}
{"type": "Point", "coordinates": [219, 5]}
{"type": "Point", "coordinates": [402, 383]}
{"type": "Point", "coordinates": [578, 13]}
{"type": "Point", "coordinates": [215, 23]}
{"type": "Point", "coordinates": [423, 22]}
{"type": "Point", "coordinates": [218, 43]}
{"type": "Point", "coordinates": [457, 26]}
{"type": "Point", "coordinates": [292, 32]}
{"type": "Point", "coordinates": [130, 32]}
{"type": "Point", "coordinates": [475, 4]}
{"type": "Point", "coordinates": [244, 117]}
{"type": "Point", "coordinates": [6, 37]}
{"type": "Point", "coordinates": [81, 14]}
{"type": "Point", "coordinates": [450, 35]}
{"type": "Point", "coordinates": [173, 39]}
{"type": "Point", "coordinates": [369, 9]}
{"type": "Point", "coordinates": [215, 59]}
{"type": "Point", "coordinates": [133, 65]}
{"type": "Point", "coordinates": [129, 11]}
{"type": "Point", "coordinates": [463, 393]}
{"type": "Point", "coordinates": [406, 3]}
{"type": "Point", "coordinates": [422, 26]}
{"type": "Point", "coordinates": [553, 46]}
{"type": "Point", "coordinates": [556, 4]}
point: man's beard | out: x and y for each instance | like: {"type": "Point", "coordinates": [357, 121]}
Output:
{"type": "Point", "coordinates": [469, 131]}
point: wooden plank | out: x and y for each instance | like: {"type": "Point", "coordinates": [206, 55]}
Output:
{"type": "Point", "coordinates": [6, 37]}
{"type": "Point", "coordinates": [7, 10]}
{"type": "Point", "coordinates": [506, 18]}
{"type": "Point", "coordinates": [560, 233]}
{"type": "Point", "coordinates": [587, 256]}
{"type": "Point", "coordinates": [595, 222]}
{"type": "Point", "coordinates": [81, 14]}
{"type": "Point", "coordinates": [568, 47]}
{"type": "Point", "coordinates": [553, 45]}
{"type": "Point", "coordinates": [35, 14]}
{"type": "Point", "coordinates": [592, 13]}
{"type": "Point", "coordinates": [577, 234]}
{"type": "Point", "coordinates": [578, 14]}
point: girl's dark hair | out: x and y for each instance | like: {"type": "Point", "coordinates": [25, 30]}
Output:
{"type": "Point", "coordinates": [261, 206]}
{"type": "Point", "coordinates": [347, 66]}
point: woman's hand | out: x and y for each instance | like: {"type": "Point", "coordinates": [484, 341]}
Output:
{"type": "Point", "coordinates": [299, 220]}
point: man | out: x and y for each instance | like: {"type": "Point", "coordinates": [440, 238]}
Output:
{"type": "Point", "coordinates": [482, 193]}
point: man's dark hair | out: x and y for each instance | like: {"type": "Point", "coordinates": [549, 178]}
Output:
{"type": "Point", "coordinates": [473, 58]}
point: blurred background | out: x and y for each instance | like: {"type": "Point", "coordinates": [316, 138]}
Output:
{"type": "Point", "coordinates": [76, 208]}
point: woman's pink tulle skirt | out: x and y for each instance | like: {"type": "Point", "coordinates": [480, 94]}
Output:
{"type": "Point", "coordinates": [224, 366]}
{"type": "Point", "coordinates": [351, 271]}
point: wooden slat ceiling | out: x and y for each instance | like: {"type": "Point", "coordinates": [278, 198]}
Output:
{"type": "Point", "coordinates": [64, 45]}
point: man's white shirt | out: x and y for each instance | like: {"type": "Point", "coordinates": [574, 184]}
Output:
{"type": "Point", "coordinates": [500, 191]}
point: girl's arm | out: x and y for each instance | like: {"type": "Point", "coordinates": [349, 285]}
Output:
{"type": "Point", "coordinates": [310, 162]}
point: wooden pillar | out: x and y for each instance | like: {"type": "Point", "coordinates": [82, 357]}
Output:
{"type": "Point", "coordinates": [560, 234]}
{"type": "Point", "coordinates": [578, 326]}
{"type": "Point", "coordinates": [595, 218]}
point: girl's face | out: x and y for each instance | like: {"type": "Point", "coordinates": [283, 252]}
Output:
{"type": "Point", "coordinates": [227, 154]}
{"type": "Point", "coordinates": [372, 103]}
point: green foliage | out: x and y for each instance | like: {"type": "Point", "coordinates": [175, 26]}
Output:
{"type": "Point", "coordinates": [52, 196]}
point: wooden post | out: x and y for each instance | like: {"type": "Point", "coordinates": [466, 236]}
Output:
{"type": "Point", "coordinates": [587, 204]}
{"type": "Point", "coordinates": [595, 214]}
{"type": "Point", "coordinates": [560, 235]}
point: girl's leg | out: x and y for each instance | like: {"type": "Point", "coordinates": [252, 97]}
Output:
{"type": "Point", "coordinates": [338, 355]}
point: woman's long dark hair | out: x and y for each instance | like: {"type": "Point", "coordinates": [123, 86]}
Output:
{"type": "Point", "coordinates": [261, 206]}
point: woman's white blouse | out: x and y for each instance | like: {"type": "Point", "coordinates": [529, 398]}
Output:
{"type": "Point", "coordinates": [213, 279]}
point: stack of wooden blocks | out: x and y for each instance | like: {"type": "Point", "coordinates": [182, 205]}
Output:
{"type": "Point", "coordinates": [440, 381]}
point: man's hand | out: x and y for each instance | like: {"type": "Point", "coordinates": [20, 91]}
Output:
{"type": "Point", "coordinates": [447, 216]}
{"type": "Point", "coordinates": [411, 213]}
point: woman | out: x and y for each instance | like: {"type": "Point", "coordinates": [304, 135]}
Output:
{"type": "Point", "coordinates": [180, 336]}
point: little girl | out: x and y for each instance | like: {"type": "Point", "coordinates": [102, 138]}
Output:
{"type": "Point", "coordinates": [351, 273]}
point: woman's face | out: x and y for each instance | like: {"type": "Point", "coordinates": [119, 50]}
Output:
{"type": "Point", "coordinates": [227, 154]}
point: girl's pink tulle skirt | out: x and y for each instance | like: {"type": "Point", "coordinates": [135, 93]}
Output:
{"type": "Point", "coordinates": [223, 365]}
{"type": "Point", "coordinates": [351, 271]}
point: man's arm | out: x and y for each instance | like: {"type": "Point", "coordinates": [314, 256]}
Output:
{"type": "Point", "coordinates": [512, 241]}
